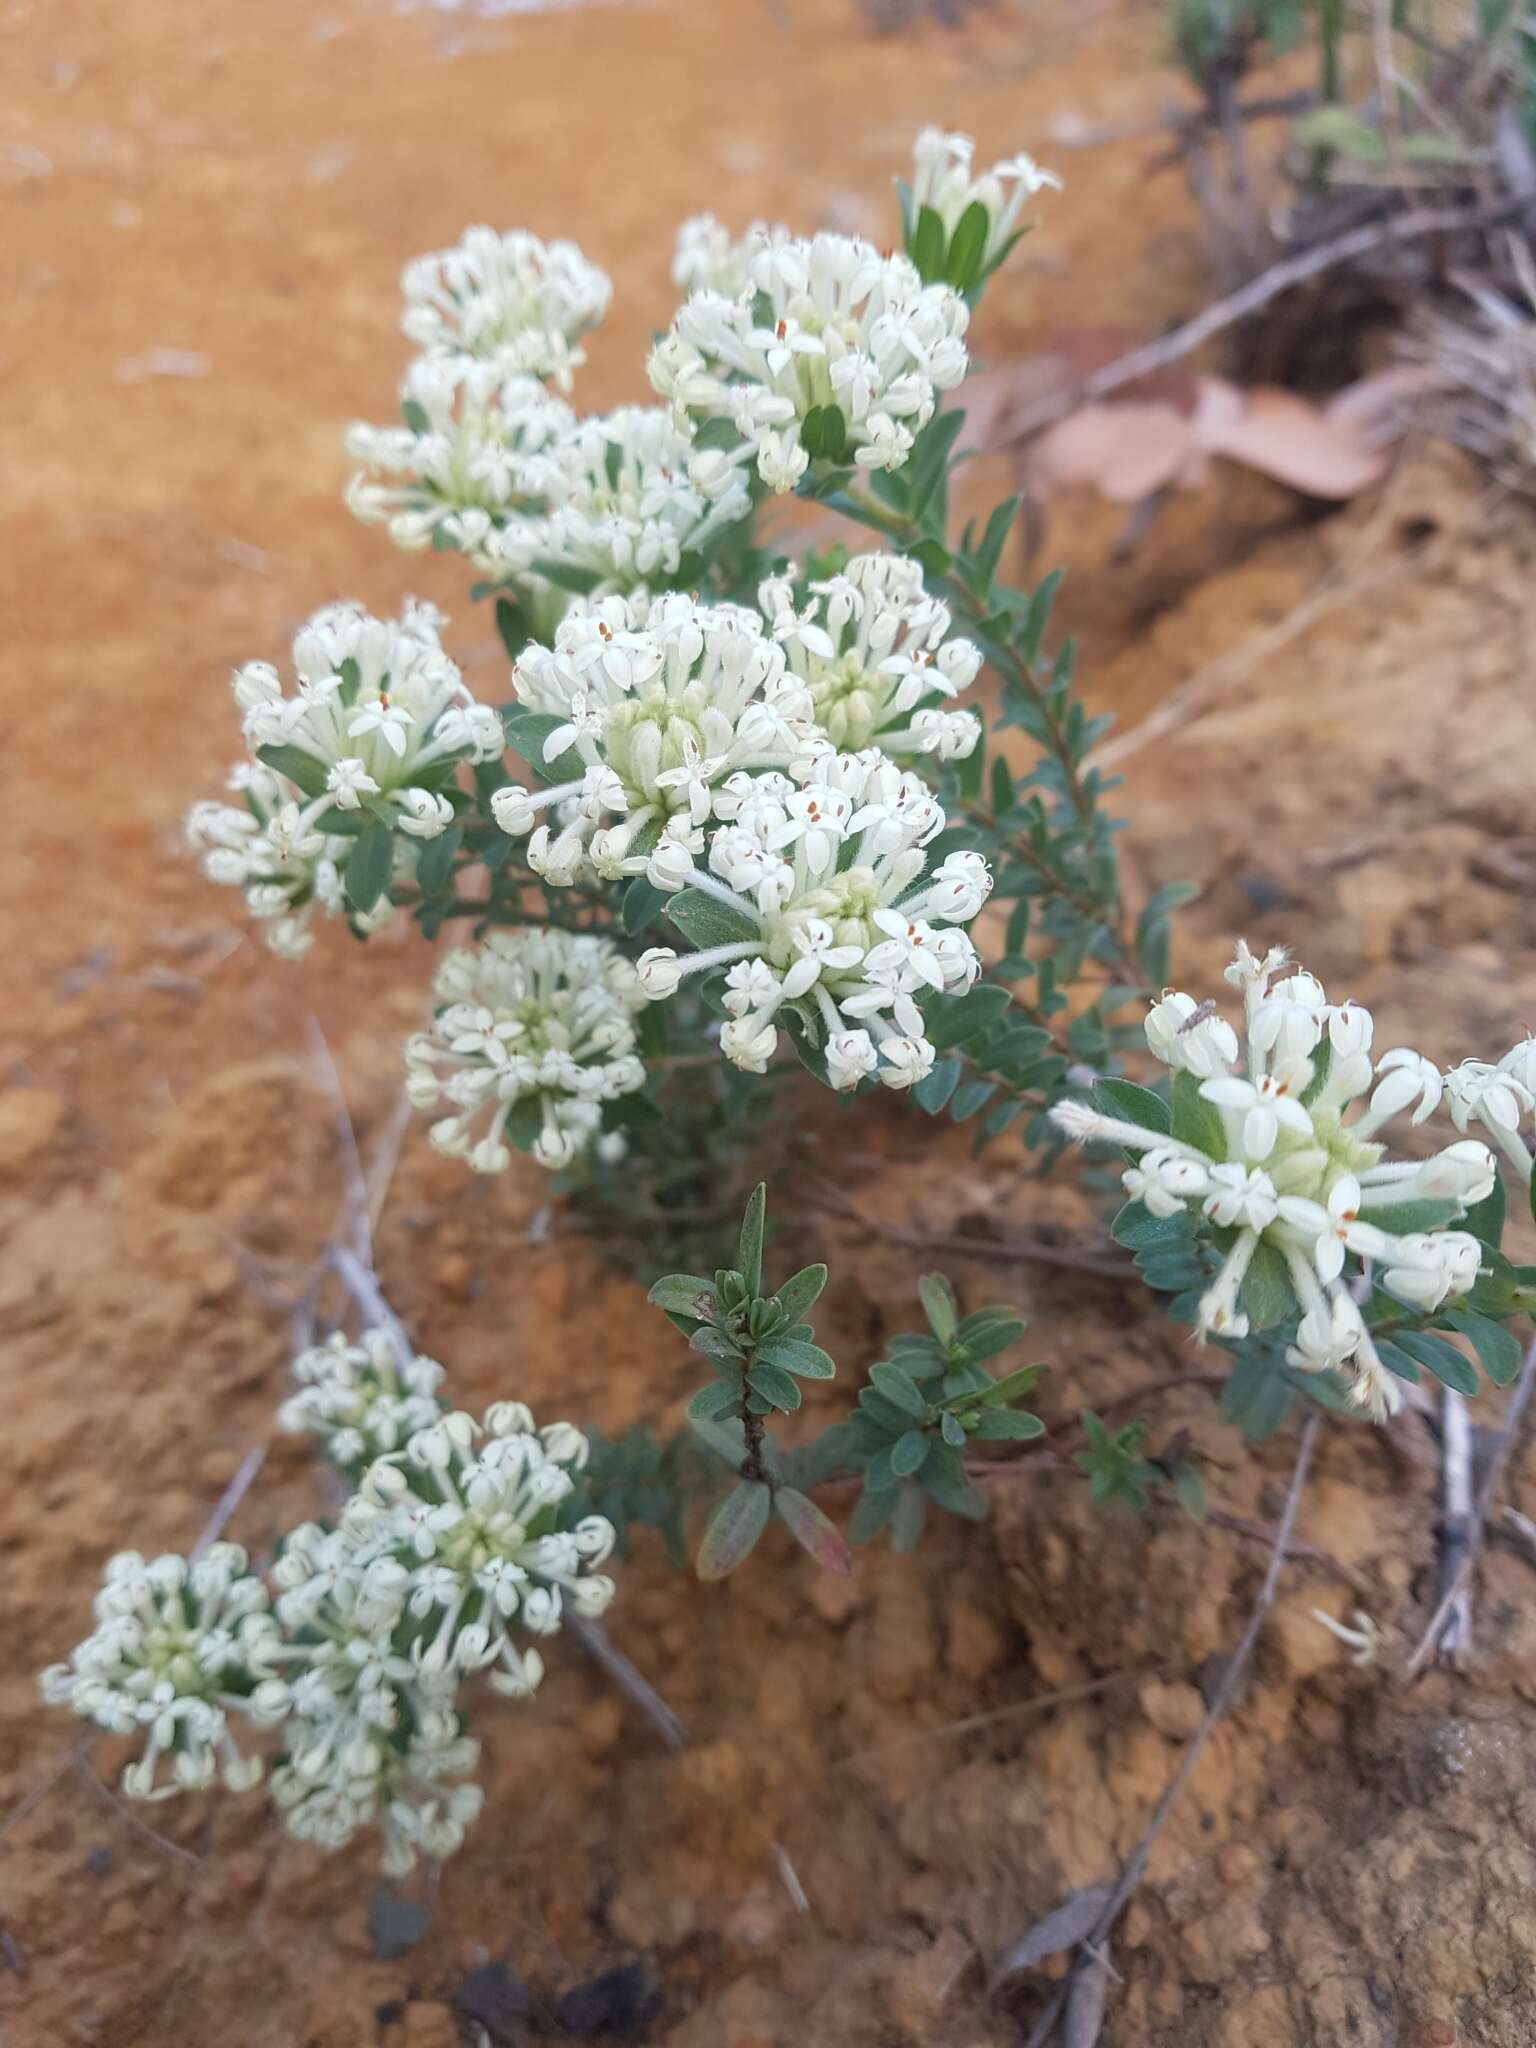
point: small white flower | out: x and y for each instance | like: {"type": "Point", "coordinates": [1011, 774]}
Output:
{"type": "Point", "coordinates": [851, 1058]}
{"type": "Point", "coordinates": [1266, 1107]}
{"type": "Point", "coordinates": [905, 1061]}
{"type": "Point", "coordinates": [1190, 1037]}
{"type": "Point", "coordinates": [1241, 1197]}
{"type": "Point", "coordinates": [1165, 1180]}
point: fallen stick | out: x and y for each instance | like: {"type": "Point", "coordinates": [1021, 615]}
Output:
{"type": "Point", "coordinates": [1249, 298]}
{"type": "Point", "coordinates": [1136, 1863]}
{"type": "Point", "coordinates": [1477, 1534]}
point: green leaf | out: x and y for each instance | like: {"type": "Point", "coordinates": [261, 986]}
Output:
{"type": "Point", "coordinates": [681, 1294]}
{"type": "Point", "coordinates": [712, 1402]}
{"type": "Point", "coordinates": [509, 624]}
{"type": "Point", "coordinates": [893, 1383]}
{"type": "Point", "coordinates": [709, 922]}
{"type": "Point", "coordinates": [641, 905]}
{"type": "Point", "coordinates": [989, 553]}
{"type": "Point", "coordinates": [1485, 1219]}
{"type": "Point", "coordinates": [1139, 1230]}
{"type": "Point", "coordinates": [967, 245]}
{"type": "Point", "coordinates": [989, 1339]}
{"type": "Point", "coordinates": [790, 1354]}
{"type": "Point", "coordinates": [1011, 1386]}
{"type": "Point", "coordinates": [937, 1085]}
{"type": "Point", "coordinates": [909, 1453]}
{"type": "Point", "coordinates": [927, 246]}
{"type": "Point", "coordinates": [301, 768]}
{"type": "Point", "coordinates": [1442, 1359]}
{"type": "Point", "coordinates": [911, 1513]}
{"type": "Point", "coordinates": [1397, 1361]}
{"type": "Point", "coordinates": [569, 576]}
{"type": "Point", "coordinates": [366, 874]}
{"type": "Point", "coordinates": [800, 1292]}
{"type": "Point", "coordinates": [1133, 1104]}
{"type": "Point", "coordinates": [969, 1097]}
{"type": "Point", "coordinates": [525, 1121]}
{"type": "Point", "coordinates": [1402, 1219]}
{"type": "Point", "coordinates": [1268, 1295]}
{"type": "Point", "coordinates": [952, 1429]}
{"type": "Point", "coordinates": [955, 1020]}
{"type": "Point", "coordinates": [434, 864]}
{"type": "Point", "coordinates": [944, 1481]}
{"type": "Point", "coordinates": [749, 1253]}
{"type": "Point", "coordinates": [774, 1385]}
{"type": "Point", "coordinates": [1189, 1489]}
{"type": "Point", "coordinates": [528, 731]}
{"type": "Point", "coordinates": [727, 1439]}
{"type": "Point", "coordinates": [733, 1529]}
{"type": "Point", "coordinates": [1496, 1347]}
{"type": "Point", "coordinates": [1196, 1121]}
{"type": "Point", "coordinates": [939, 1305]}
{"type": "Point", "coordinates": [813, 1531]}
{"type": "Point", "coordinates": [871, 1511]}
{"type": "Point", "coordinates": [1002, 1425]}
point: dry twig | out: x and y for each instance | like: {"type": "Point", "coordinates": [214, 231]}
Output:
{"type": "Point", "coordinates": [1136, 1863]}
{"type": "Point", "coordinates": [1250, 298]}
{"type": "Point", "coordinates": [1008, 1250]}
{"type": "Point", "coordinates": [1477, 1533]}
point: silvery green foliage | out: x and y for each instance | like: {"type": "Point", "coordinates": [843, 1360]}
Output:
{"type": "Point", "coordinates": [460, 1541]}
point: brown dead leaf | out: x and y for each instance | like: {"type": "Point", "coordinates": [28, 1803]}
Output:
{"type": "Point", "coordinates": [1125, 452]}
{"type": "Point", "coordinates": [1288, 438]}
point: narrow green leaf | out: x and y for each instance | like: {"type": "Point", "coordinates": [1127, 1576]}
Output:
{"type": "Point", "coordinates": [712, 1402]}
{"type": "Point", "coordinates": [927, 246]}
{"type": "Point", "coordinates": [727, 1439]}
{"type": "Point", "coordinates": [937, 1085]}
{"type": "Point", "coordinates": [1196, 1121]}
{"type": "Point", "coordinates": [642, 904]}
{"type": "Point", "coordinates": [790, 1354]}
{"type": "Point", "coordinates": [1497, 1348]}
{"type": "Point", "coordinates": [1189, 1488]}
{"type": "Point", "coordinates": [955, 1020]}
{"type": "Point", "coordinates": [911, 1513]}
{"type": "Point", "coordinates": [909, 1453]}
{"type": "Point", "coordinates": [733, 1529]}
{"type": "Point", "coordinates": [774, 1385]}
{"type": "Point", "coordinates": [683, 1294]}
{"type": "Point", "coordinates": [1268, 1295]}
{"type": "Point", "coordinates": [1132, 1104]}
{"type": "Point", "coordinates": [749, 1254]}
{"type": "Point", "coordinates": [1402, 1219]}
{"type": "Point", "coordinates": [1442, 1359]}
{"type": "Point", "coordinates": [301, 768]}
{"type": "Point", "coordinates": [952, 1429]}
{"type": "Point", "coordinates": [801, 1291]}
{"type": "Point", "coordinates": [938, 1299]}
{"type": "Point", "coordinates": [434, 864]}
{"type": "Point", "coordinates": [1012, 1385]}
{"type": "Point", "coordinates": [1485, 1219]}
{"type": "Point", "coordinates": [1003, 1425]}
{"type": "Point", "coordinates": [967, 245]}
{"type": "Point", "coordinates": [366, 874]}
{"type": "Point", "coordinates": [709, 923]}
{"type": "Point", "coordinates": [893, 1383]}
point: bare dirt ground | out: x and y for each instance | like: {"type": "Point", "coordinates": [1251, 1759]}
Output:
{"type": "Point", "coordinates": [1355, 1862]}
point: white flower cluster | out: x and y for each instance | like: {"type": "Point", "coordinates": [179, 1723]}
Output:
{"type": "Point", "coordinates": [459, 1534]}
{"type": "Point", "coordinates": [507, 300]}
{"type": "Point", "coordinates": [360, 1399]}
{"type": "Point", "coordinates": [448, 1545]}
{"type": "Point", "coordinates": [535, 1033]}
{"type": "Point", "coordinates": [658, 701]}
{"type": "Point", "coordinates": [826, 326]}
{"type": "Point", "coordinates": [709, 258]}
{"type": "Point", "coordinates": [374, 735]}
{"type": "Point", "coordinates": [943, 179]}
{"type": "Point", "coordinates": [179, 1648]}
{"type": "Point", "coordinates": [873, 649]}
{"type": "Point", "coordinates": [457, 471]}
{"type": "Point", "coordinates": [691, 753]}
{"type": "Point", "coordinates": [1300, 1168]}
{"type": "Point", "coordinates": [813, 898]}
